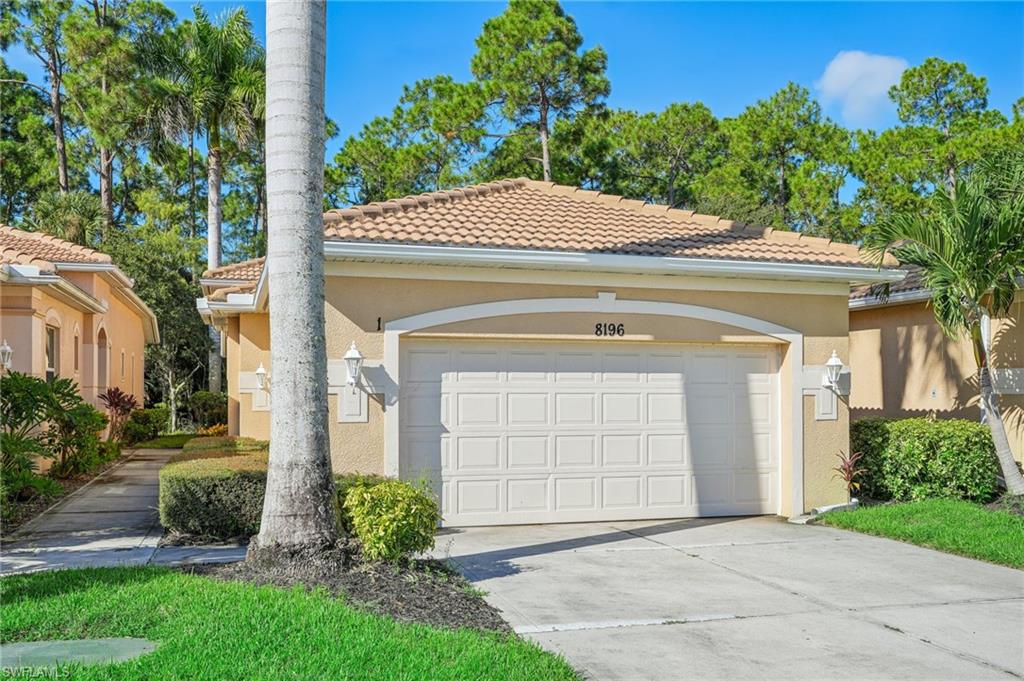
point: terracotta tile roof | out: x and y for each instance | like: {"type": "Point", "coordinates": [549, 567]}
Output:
{"type": "Point", "coordinates": [242, 271]}
{"type": "Point", "coordinates": [914, 281]}
{"type": "Point", "coordinates": [42, 250]}
{"type": "Point", "coordinates": [525, 214]}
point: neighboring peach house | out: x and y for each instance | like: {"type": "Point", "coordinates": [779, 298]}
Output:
{"type": "Point", "coordinates": [549, 354]}
{"type": "Point", "coordinates": [905, 366]}
{"type": "Point", "coordinates": [68, 311]}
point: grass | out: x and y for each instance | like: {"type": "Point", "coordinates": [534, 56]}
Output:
{"type": "Point", "coordinates": [948, 525]}
{"type": "Point", "coordinates": [208, 629]}
{"type": "Point", "coordinates": [176, 441]}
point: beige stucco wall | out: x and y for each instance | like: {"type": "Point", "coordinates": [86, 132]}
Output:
{"type": "Point", "coordinates": [26, 311]}
{"type": "Point", "coordinates": [357, 307]}
{"type": "Point", "coordinates": [903, 366]}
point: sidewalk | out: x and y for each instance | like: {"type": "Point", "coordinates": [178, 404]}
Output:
{"type": "Point", "coordinates": [113, 520]}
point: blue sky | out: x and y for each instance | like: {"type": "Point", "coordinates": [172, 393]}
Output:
{"type": "Point", "coordinates": [725, 54]}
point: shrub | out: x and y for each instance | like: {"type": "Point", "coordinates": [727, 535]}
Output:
{"type": "Point", "coordinates": [910, 459]}
{"type": "Point", "coordinates": [392, 519]}
{"type": "Point", "coordinates": [208, 408]}
{"type": "Point", "coordinates": [217, 497]}
{"type": "Point", "coordinates": [214, 487]}
{"type": "Point", "coordinates": [74, 436]}
{"type": "Point", "coordinates": [343, 484]}
{"type": "Point", "coordinates": [119, 406]}
{"type": "Point", "coordinates": [216, 430]}
{"type": "Point", "coordinates": [19, 479]}
{"type": "Point", "coordinates": [145, 424]}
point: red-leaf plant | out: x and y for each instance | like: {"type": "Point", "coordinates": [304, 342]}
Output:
{"type": "Point", "coordinates": [120, 405]}
{"type": "Point", "coordinates": [849, 471]}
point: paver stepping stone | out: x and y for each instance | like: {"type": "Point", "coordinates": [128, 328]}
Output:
{"type": "Point", "coordinates": [82, 651]}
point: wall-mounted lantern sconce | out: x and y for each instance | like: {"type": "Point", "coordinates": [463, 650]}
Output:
{"type": "Point", "coordinates": [833, 368]}
{"type": "Point", "coordinates": [262, 378]}
{"type": "Point", "coordinates": [353, 364]}
{"type": "Point", "coordinates": [6, 353]}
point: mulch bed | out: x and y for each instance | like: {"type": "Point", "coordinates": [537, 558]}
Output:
{"type": "Point", "coordinates": [424, 591]}
{"type": "Point", "coordinates": [23, 511]}
{"type": "Point", "coordinates": [1010, 503]}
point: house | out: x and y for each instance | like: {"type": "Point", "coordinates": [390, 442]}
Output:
{"type": "Point", "coordinates": [68, 311]}
{"type": "Point", "coordinates": [905, 366]}
{"type": "Point", "coordinates": [549, 354]}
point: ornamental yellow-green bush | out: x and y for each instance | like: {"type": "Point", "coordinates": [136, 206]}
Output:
{"type": "Point", "coordinates": [392, 519]}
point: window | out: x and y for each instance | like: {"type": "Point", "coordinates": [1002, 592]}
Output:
{"type": "Point", "coordinates": [122, 365]}
{"type": "Point", "coordinates": [52, 353]}
{"type": "Point", "coordinates": [76, 353]}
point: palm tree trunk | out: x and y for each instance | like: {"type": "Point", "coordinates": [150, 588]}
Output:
{"type": "Point", "coordinates": [994, 418]}
{"type": "Point", "coordinates": [298, 509]}
{"type": "Point", "coordinates": [213, 218]}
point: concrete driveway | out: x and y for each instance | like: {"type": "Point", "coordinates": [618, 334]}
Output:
{"type": "Point", "coordinates": [734, 598]}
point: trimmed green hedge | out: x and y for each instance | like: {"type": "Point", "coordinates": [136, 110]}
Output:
{"type": "Point", "coordinates": [214, 488]}
{"type": "Point", "coordinates": [911, 459]}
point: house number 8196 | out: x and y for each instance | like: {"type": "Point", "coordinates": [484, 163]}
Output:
{"type": "Point", "coordinates": [609, 329]}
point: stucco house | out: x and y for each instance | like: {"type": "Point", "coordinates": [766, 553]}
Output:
{"type": "Point", "coordinates": [546, 354]}
{"type": "Point", "coordinates": [905, 366]}
{"type": "Point", "coordinates": [68, 311]}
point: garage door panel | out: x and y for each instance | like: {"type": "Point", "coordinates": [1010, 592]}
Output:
{"type": "Point", "coordinates": [479, 454]}
{"type": "Point", "coordinates": [711, 446]}
{"type": "Point", "coordinates": [709, 408]}
{"type": "Point", "coordinates": [478, 409]}
{"type": "Point", "coordinates": [755, 408]}
{"type": "Point", "coordinates": [753, 487]}
{"type": "Point", "coordinates": [666, 491]}
{"type": "Point", "coordinates": [478, 366]}
{"type": "Point", "coordinates": [534, 432]}
{"type": "Point", "coordinates": [528, 367]}
{"type": "Point", "coordinates": [621, 492]}
{"type": "Point", "coordinates": [527, 409]}
{"type": "Point", "coordinates": [575, 493]}
{"type": "Point", "coordinates": [621, 367]}
{"type": "Point", "coordinates": [666, 368]}
{"type": "Point", "coordinates": [621, 450]}
{"type": "Point", "coordinates": [621, 408]}
{"type": "Point", "coordinates": [575, 367]}
{"type": "Point", "coordinates": [527, 451]}
{"type": "Point", "coordinates": [666, 408]}
{"type": "Point", "coordinates": [666, 449]}
{"type": "Point", "coordinates": [754, 449]}
{"type": "Point", "coordinates": [575, 450]}
{"type": "Point", "coordinates": [708, 367]}
{"type": "Point", "coordinates": [420, 411]}
{"type": "Point", "coordinates": [426, 366]}
{"type": "Point", "coordinates": [528, 495]}
{"type": "Point", "coordinates": [478, 496]}
{"type": "Point", "coordinates": [575, 409]}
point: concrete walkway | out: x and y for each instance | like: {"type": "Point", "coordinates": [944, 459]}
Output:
{"type": "Point", "coordinates": [733, 598]}
{"type": "Point", "coordinates": [113, 520]}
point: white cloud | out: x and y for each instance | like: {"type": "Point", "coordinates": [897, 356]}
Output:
{"type": "Point", "coordinates": [860, 82]}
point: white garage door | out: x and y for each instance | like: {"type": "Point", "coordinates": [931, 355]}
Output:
{"type": "Point", "coordinates": [531, 433]}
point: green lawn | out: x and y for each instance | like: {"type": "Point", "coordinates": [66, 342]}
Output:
{"type": "Point", "coordinates": [208, 629]}
{"type": "Point", "coordinates": [176, 441]}
{"type": "Point", "coordinates": [947, 525]}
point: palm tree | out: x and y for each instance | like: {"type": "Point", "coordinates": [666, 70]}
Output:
{"type": "Point", "coordinates": [298, 510]}
{"type": "Point", "coordinates": [209, 76]}
{"type": "Point", "coordinates": [74, 216]}
{"type": "Point", "coordinates": [970, 248]}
